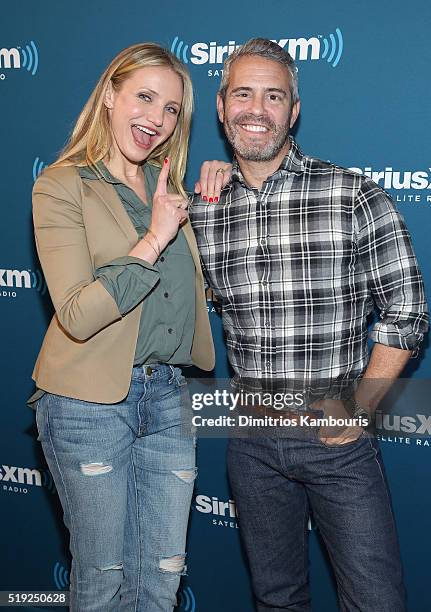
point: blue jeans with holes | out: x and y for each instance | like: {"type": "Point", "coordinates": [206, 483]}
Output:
{"type": "Point", "coordinates": [277, 480]}
{"type": "Point", "coordinates": [124, 473]}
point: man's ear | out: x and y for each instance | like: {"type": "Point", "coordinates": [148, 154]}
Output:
{"type": "Point", "coordinates": [109, 96]}
{"type": "Point", "coordinates": [220, 108]}
{"type": "Point", "coordinates": [295, 112]}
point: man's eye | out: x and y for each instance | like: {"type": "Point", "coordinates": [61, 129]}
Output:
{"type": "Point", "coordinates": [274, 97]}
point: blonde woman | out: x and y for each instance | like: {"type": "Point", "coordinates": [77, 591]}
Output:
{"type": "Point", "coordinates": [122, 268]}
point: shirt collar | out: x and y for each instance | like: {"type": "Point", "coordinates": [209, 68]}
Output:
{"type": "Point", "coordinates": [293, 162]}
{"type": "Point", "coordinates": [89, 173]}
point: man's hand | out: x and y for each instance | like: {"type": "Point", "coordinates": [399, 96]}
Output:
{"type": "Point", "coordinates": [214, 176]}
{"type": "Point", "coordinates": [337, 435]}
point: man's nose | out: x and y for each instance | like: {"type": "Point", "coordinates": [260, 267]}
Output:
{"type": "Point", "coordinates": [257, 104]}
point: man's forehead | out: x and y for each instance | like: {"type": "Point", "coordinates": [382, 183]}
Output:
{"type": "Point", "coordinates": [252, 69]}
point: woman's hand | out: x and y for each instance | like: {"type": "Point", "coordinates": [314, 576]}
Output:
{"type": "Point", "coordinates": [169, 211]}
{"type": "Point", "coordinates": [214, 176]}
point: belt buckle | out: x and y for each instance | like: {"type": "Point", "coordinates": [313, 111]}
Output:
{"type": "Point", "coordinates": [148, 370]}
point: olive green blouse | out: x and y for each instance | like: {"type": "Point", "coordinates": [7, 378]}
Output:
{"type": "Point", "coordinates": [167, 288]}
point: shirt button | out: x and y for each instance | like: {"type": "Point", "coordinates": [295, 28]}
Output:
{"type": "Point", "coordinates": [266, 323]}
{"type": "Point", "coordinates": [162, 259]}
{"type": "Point", "coordinates": [166, 294]}
{"type": "Point", "coordinates": [170, 330]}
{"type": "Point", "coordinates": [263, 241]}
{"type": "Point", "coordinates": [268, 364]}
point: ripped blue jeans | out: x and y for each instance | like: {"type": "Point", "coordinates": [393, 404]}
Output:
{"type": "Point", "coordinates": [124, 473]}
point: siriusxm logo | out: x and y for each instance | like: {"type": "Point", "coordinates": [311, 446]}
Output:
{"type": "Point", "coordinates": [21, 279]}
{"type": "Point", "coordinates": [21, 57]}
{"type": "Point", "coordinates": [329, 48]}
{"type": "Point", "coordinates": [418, 424]}
{"type": "Point", "coordinates": [38, 167]}
{"type": "Point", "coordinates": [186, 600]}
{"type": "Point", "coordinates": [12, 477]}
{"type": "Point", "coordinates": [61, 577]}
{"type": "Point", "coordinates": [397, 179]}
{"type": "Point", "coordinates": [224, 512]}
{"type": "Point", "coordinates": [212, 505]}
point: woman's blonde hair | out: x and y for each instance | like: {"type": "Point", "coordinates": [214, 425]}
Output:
{"type": "Point", "coordinates": [91, 137]}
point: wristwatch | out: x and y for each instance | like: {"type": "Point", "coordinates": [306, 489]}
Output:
{"type": "Point", "coordinates": [359, 412]}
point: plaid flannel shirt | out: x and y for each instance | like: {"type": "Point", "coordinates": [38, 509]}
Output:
{"type": "Point", "coordinates": [300, 264]}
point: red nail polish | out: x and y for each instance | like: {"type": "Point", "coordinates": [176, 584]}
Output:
{"type": "Point", "coordinates": [204, 198]}
{"type": "Point", "coordinates": [210, 200]}
{"type": "Point", "coordinates": [215, 199]}
{"type": "Point", "coordinates": [166, 160]}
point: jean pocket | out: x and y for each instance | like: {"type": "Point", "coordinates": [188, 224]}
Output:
{"type": "Point", "coordinates": [178, 378]}
{"type": "Point", "coordinates": [363, 435]}
{"type": "Point", "coordinates": [40, 417]}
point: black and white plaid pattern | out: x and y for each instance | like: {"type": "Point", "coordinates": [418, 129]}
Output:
{"type": "Point", "coordinates": [299, 266]}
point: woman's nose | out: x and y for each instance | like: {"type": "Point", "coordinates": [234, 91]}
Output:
{"type": "Point", "coordinates": [155, 115]}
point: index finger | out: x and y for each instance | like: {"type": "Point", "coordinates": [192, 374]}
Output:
{"type": "Point", "coordinates": [162, 182]}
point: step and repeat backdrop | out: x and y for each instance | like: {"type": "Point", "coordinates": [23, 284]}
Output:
{"type": "Point", "coordinates": [364, 85]}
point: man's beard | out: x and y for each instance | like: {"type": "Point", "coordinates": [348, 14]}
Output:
{"type": "Point", "coordinates": [257, 152]}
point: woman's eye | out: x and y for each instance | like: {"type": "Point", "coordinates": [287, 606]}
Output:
{"type": "Point", "coordinates": [145, 97]}
{"type": "Point", "coordinates": [172, 110]}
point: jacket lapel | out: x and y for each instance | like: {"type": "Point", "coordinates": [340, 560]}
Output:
{"type": "Point", "coordinates": [191, 241]}
{"type": "Point", "coordinates": [109, 196]}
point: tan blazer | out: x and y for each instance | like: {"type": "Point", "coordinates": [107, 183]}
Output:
{"type": "Point", "coordinates": [89, 347]}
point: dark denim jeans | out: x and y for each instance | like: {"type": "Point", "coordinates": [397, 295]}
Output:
{"type": "Point", "coordinates": [276, 481]}
{"type": "Point", "coordinates": [125, 474]}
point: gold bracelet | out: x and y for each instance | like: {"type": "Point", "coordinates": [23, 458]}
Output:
{"type": "Point", "coordinates": [149, 244]}
{"type": "Point", "coordinates": [156, 239]}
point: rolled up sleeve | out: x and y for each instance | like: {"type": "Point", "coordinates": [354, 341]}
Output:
{"type": "Point", "coordinates": [393, 276]}
{"type": "Point", "coordinates": [128, 280]}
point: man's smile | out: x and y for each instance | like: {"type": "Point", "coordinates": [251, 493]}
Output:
{"type": "Point", "coordinates": [250, 127]}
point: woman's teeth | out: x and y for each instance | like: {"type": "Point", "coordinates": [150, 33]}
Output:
{"type": "Point", "coordinates": [146, 130]}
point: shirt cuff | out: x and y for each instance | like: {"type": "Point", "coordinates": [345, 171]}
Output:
{"type": "Point", "coordinates": [128, 280]}
{"type": "Point", "coordinates": [400, 335]}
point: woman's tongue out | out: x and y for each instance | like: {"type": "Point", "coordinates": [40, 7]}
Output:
{"type": "Point", "coordinates": [141, 138]}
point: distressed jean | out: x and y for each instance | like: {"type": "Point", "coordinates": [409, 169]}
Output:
{"type": "Point", "coordinates": [276, 482]}
{"type": "Point", "coordinates": [125, 474]}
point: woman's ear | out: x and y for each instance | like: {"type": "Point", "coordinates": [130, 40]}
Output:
{"type": "Point", "coordinates": [109, 96]}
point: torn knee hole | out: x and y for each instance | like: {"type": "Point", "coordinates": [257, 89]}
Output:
{"type": "Point", "coordinates": [186, 475]}
{"type": "Point", "coordinates": [94, 469]}
{"type": "Point", "coordinates": [116, 566]}
{"type": "Point", "coordinates": [175, 565]}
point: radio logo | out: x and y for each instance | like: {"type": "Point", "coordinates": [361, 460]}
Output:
{"type": "Point", "coordinates": [328, 48]}
{"type": "Point", "coordinates": [21, 279]}
{"type": "Point", "coordinates": [17, 479]}
{"type": "Point", "coordinates": [186, 600]}
{"type": "Point", "coordinates": [61, 577]}
{"type": "Point", "coordinates": [38, 167]}
{"type": "Point", "coordinates": [24, 57]}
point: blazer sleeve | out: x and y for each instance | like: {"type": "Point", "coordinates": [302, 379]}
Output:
{"type": "Point", "coordinates": [82, 304]}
